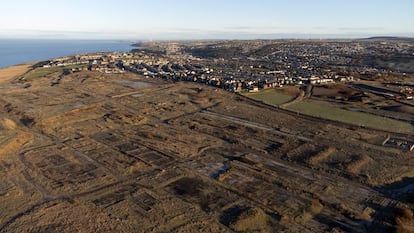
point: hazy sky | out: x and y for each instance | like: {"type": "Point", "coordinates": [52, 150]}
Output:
{"type": "Point", "coordinates": [198, 19]}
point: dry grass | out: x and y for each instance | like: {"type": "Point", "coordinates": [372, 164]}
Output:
{"type": "Point", "coordinates": [52, 217]}
{"type": "Point", "coordinates": [367, 214]}
{"type": "Point", "coordinates": [356, 166]}
{"type": "Point", "coordinates": [404, 220]}
{"type": "Point", "coordinates": [9, 124]}
{"type": "Point", "coordinates": [316, 207]}
{"type": "Point", "coordinates": [9, 73]}
{"type": "Point", "coordinates": [321, 155]}
{"type": "Point", "coordinates": [105, 159]}
{"type": "Point", "coordinates": [250, 220]}
{"type": "Point", "coordinates": [16, 138]}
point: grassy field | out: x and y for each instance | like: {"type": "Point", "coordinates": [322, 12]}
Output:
{"type": "Point", "coordinates": [327, 111]}
{"type": "Point", "coordinates": [43, 72]}
{"type": "Point", "coordinates": [270, 96]}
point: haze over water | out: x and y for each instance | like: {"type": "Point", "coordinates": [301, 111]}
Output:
{"type": "Point", "coordinates": [13, 52]}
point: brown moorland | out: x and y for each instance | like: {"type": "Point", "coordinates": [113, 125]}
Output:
{"type": "Point", "coordinates": [123, 153]}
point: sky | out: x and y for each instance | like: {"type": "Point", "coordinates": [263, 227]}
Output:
{"type": "Point", "coordinates": [205, 19]}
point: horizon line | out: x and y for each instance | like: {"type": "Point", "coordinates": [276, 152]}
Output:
{"type": "Point", "coordinates": [296, 37]}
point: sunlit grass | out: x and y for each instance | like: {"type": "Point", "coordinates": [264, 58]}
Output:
{"type": "Point", "coordinates": [327, 111]}
{"type": "Point", "coordinates": [270, 96]}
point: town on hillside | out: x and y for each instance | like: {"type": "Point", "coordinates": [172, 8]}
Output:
{"type": "Point", "coordinates": [250, 66]}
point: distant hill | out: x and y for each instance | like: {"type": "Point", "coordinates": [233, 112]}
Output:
{"type": "Point", "coordinates": [388, 38]}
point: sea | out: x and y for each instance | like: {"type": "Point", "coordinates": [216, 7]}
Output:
{"type": "Point", "coordinates": [18, 51]}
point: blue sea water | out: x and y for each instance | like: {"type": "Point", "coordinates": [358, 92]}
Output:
{"type": "Point", "coordinates": [13, 52]}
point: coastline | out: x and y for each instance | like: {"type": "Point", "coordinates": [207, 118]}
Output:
{"type": "Point", "coordinates": [31, 63]}
{"type": "Point", "coordinates": [21, 51]}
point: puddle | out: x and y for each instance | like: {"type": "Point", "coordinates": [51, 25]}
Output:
{"type": "Point", "coordinates": [133, 84]}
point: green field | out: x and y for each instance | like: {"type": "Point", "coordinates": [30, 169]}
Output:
{"type": "Point", "coordinates": [327, 111]}
{"type": "Point", "coordinates": [270, 96]}
{"type": "Point", "coordinates": [43, 72]}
